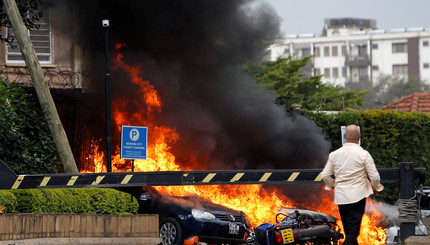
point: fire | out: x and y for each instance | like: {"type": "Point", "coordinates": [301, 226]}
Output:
{"type": "Point", "coordinates": [370, 232]}
{"type": "Point", "coordinates": [94, 158]}
{"type": "Point", "coordinates": [368, 235]}
{"type": "Point", "coordinates": [260, 204]}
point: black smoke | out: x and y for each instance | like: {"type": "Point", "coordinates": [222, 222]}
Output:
{"type": "Point", "coordinates": [192, 52]}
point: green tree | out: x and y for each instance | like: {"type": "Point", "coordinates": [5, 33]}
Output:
{"type": "Point", "coordinates": [26, 144]}
{"type": "Point", "coordinates": [30, 12]}
{"type": "Point", "coordinates": [390, 88]}
{"type": "Point", "coordinates": [324, 32]}
{"type": "Point", "coordinates": [296, 88]}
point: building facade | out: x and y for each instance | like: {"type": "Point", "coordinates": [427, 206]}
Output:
{"type": "Point", "coordinates": [68, 67]}
{"type": "Point", "coordinates": [353, 53]}
{"type": "Point", "coordinates": [56, 43]}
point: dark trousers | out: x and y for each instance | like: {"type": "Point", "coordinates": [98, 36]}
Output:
{"type": "Point", "coordinates": [351, 215]}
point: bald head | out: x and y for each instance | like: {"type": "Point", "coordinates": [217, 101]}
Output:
{"type": "Point", "coordinates": [352, 134]}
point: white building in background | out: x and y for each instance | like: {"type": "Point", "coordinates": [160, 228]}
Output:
{"type": "Point", "coordinates": [353, 53]}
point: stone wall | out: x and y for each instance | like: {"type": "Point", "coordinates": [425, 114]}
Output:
{"type": "Point", "coordinates": [29, 226]}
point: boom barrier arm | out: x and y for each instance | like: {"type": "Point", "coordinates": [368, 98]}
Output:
{"type": "Point", "coordinates": [9, 180]}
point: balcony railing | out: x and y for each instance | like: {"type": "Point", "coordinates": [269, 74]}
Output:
{"type": "Point", "coordinates": [357, 60]}
{"type": "Point", "coordinates": [363, 83]}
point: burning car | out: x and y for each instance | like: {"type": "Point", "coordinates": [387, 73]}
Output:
{"type": "Point", "coordinates": [194, 219]}
{"type": "Point", "coordinates": [297, 226]}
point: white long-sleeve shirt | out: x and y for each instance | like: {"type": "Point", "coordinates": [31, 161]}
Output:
{"type": "Point", "coordinates": [352, 166]}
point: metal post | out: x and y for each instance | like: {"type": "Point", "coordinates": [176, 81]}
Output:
{"type": "Point", "coordinates": [407, 191]}
{"type": "Point", "coordinates": [105, 24]}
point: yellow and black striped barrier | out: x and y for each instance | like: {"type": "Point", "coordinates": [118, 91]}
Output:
{"type": "Point", "coordinates": [9, 180]}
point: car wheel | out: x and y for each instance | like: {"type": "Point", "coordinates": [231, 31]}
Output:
{"type": "Point", "coordinates": [171, 231]}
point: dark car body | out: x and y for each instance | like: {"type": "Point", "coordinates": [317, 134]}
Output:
{"type": "Point", "coordinates": [180, 219]}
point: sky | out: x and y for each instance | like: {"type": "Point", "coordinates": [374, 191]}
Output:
{"type": "Point", "coordinates": [307, 16]}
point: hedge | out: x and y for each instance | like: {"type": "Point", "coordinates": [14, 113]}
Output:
{"type": "Point", "coordinates": [26, 144]}
{"type": "Point", "coordinates": [81, 201]}
{"type": "Point", "coordinates": [390, 137]}
{"type": "Point", "coordinates": [8, 201]}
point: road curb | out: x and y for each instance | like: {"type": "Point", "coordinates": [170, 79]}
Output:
{"type": "Point", "coordinates": [417, 240]}
{"type": "Point", "coordinates": [86, 241]}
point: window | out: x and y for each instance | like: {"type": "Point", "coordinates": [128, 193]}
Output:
{"type": "Point", "coordinates": [317, 51]}
{"type": "Point", "coordinates": [343, 50]}
{"type": "Point", "coordinates": [426, 65]}
{"type": "Point", "coordinates": [41, 39]}
{"type": "Point", "coordinates": [306, 52]}
{"type": "Point", "coordinates": [335, 71]}
{"type": "Point", "coordinates": [426, 43]}
{"type": "Point", "coordinates": [344, 71]}
{"type": "Point", "coordinates": [375, 46]}
{"type": "Point", "coordinates": [317, 71]}
{"type": "Point", "coordinates": [327, 72]}
{"type": "Point", "coordinates": [375, 67]}
{"type": "Point", "coordinates": [400, 47]}
{"type": "Point", "coordinates": [362, 72]}
{"type": "Point", "coordinates": [400, 69]}
{"type": "Point", "coordinates": [286, 51]}
{"type": "Point", "coordinates": [326, 51]}
{"type": "Point", "coordinates": [362, 50]}
{"type": "Point", "coordinates": [334, 51]}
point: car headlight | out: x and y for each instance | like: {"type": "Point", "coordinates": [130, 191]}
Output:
{"type": "Point", "coordinates": [201, 214]}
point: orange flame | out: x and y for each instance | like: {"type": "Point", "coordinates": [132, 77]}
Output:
{"type": "Point", "coordinates": [260, 204]}
{"type": "Point", "coordinates": [370, 233]}
{"type": "Point", "coordinates": [94, 158]}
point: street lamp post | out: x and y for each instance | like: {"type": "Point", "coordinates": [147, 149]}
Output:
{"type": "Point", "coordinates": [105, 24]}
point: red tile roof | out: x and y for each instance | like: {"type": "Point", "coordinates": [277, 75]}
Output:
{"type": "Point", "coordinates": [413, 102]}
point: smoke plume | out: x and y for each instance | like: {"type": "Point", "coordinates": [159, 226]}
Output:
{"type": "Point", "coordinates": [192, 52]}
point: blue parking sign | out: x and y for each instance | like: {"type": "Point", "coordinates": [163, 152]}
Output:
{"type": "Point", "coordinates": [134, 141]}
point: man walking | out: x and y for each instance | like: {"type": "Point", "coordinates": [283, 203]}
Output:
{"type": "Point", "coordinates": [352, 167]}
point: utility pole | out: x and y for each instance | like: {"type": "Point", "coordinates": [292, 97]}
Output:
{"type": "Point", "coordinates": [41, 87]}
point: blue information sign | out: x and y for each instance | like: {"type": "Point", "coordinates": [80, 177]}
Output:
{"type": "Point", "coordinates": [134, 140]}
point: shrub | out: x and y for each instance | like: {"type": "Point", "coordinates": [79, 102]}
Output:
{"type": "Point", "coordinates": [8, 201]}
{"type": "Point", "coordinates": [112, 201]}
{"type": "Point", "coordinates": [82, 201]}
{"type": "Point", "coordinates": [26, 142]}
{"type": "Point", "coordinates": [29, 200]}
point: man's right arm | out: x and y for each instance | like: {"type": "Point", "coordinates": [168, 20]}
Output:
{"type": "Point", "coordinates": [328, 171]}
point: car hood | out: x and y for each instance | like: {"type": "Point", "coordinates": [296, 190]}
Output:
{"type": "Point", "coordinates": [190, 202]}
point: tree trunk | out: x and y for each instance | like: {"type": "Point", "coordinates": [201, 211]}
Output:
{"type": "Point", "coordinates": [41, 87]}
